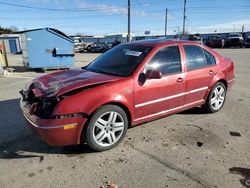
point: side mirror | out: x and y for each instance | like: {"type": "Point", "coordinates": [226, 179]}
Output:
{"type": "Point", "coordinates": [153, 74]}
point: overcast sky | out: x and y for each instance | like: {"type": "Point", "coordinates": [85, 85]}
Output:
{"type": "Point", "coordinates": [99, 17]}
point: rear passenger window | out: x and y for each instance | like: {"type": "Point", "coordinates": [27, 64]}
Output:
{"type": "Point", "coordinates": [194, 57]}
{"type": "Point", "coordinates": [166, 60]}
{"type": "Point", "coordinates": [209, 58]}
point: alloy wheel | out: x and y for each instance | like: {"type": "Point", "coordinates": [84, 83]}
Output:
{"type": "Point", "coordinates": [108, 128]}
{"type": "Point", "coordinates": [218, 97]}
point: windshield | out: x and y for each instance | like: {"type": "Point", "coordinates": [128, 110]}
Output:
{"type": "Point", "coordinates": [234, 35]}
{"type": "Point", "coordinates": [120, 61]}
{"type": "Point", "coordinates": [216, 37]}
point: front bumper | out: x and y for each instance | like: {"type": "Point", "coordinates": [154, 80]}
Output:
{"type": "Point", "coordinates": [247, 44]}
{"type": "Point", "coordinates": [235, 42]}
{"type": "Point", "coordinates": [56, 132]}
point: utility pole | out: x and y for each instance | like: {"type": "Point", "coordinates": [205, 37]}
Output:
{"type": "Point", "coordinates": [184, 17]}
{"type": "Point", "coordinates": [242, 32]}
{"type": "Point", "coordinates": [166, 22]}
{"type": "Point", "coordinates": [242, 29]}
{"type": "Point", "coordinates": [129, 36]}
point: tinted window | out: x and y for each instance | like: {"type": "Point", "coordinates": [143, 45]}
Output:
{"type": "Point", "coordinates": [167, 60]}
{"type": "Point", "coordinates": [234, 35]}
{"type": "Point", "coordinates": [209, 58]}
{"type": "Point", "coordinates": [121, 60]}
{"type": "Point", "coordinates": [194, 57]}
{"type": "Point", "coordinates": [215, 37]}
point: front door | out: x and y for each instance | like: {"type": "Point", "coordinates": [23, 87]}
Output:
{"type": "Point", "coordinates": [162, 96]}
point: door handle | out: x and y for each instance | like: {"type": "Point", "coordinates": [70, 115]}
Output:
{"type": "Point", "coordinates": [211, 72]}
{"type": "Point", "coordinates": [179, 80]}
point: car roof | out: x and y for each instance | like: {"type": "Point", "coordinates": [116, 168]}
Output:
{"type": "Point", "coordinates": [161, 41]}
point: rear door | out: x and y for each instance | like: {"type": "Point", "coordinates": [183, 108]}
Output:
{"type": "Point", "coordinates": [201, 68]}
{"type": "Point", "coordinates": [161, 96]}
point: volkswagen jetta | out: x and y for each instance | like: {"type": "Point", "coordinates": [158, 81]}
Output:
{"type": "Point", "coordinates": [130, 84]}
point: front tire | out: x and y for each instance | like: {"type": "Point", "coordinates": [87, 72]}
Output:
{"type": "Point", "coordinates": [89, 48]}
{"type": "Point", "coordinates": [106, 128]}
{"type": "Point", "coordinates": [216, 98]}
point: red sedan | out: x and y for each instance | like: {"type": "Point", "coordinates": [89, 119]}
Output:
{"type": "Point", "coordinates": [130, 84]}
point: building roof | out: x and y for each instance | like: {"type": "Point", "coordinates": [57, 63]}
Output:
{"type": "Point", "coordinates": [52, 30]}
{"type": "Point", "coordinates": [10, 35]}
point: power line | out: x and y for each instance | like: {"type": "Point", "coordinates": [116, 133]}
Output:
{"type": "Point", "coordinates": [58, 18]}
{"type": "Point", "coordinates": [140, 5]}
{"type": "Point", "coordinates": [54, 9]}
{"type": "Point", "coordinates": [102, 8]}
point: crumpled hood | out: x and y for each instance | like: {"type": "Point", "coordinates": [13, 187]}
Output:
{"type": "Point", "coordinates": [61, 82]}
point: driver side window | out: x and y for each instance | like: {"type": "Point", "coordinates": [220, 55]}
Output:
{"type": "Point", "coordinates": [167, 60]}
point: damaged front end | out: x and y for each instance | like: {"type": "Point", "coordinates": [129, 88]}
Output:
{"type": "Point", "coordinates": [38, 105]}
{"type": "Point", "coordinates": [41, 99]}
{"type": "Point", "coordinates": [47, 106]}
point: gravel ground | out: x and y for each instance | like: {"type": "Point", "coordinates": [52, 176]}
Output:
{"type": "Point", "coordinates": [189, 149]}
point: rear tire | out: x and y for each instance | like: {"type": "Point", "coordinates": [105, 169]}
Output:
{"type": "Point", "coordinates": [216, 98]}
{"type": "Point", "coordinates": [106, 128]}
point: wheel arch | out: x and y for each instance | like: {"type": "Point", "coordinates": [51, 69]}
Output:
{"type": "Point", "coordinates": [122, 106]}
{"type": "Point", "coordinates": [207, 106]}
{"type": "Point", "coordinates": [222, 80]}
{"type": "Point", "coordinates": [119, 104]}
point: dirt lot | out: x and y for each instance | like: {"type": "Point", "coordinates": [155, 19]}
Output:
{"type": "Point", "coordinates": [189, 149]}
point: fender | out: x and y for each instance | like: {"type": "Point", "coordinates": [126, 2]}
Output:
{"type": "Point", "coordinates": [89, 108]}
{"type": "Point", "coordinates": [219, 76]}
{"type": "Point", "coordinates": [77, 103]}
